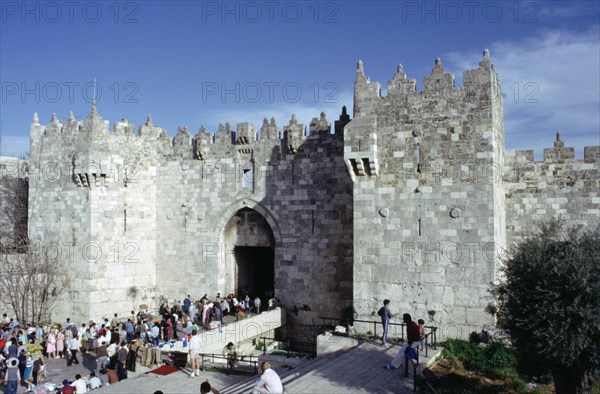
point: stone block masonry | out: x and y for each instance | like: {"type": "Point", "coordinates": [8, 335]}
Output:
{"type": "Point", "coordinates": [413, 200]}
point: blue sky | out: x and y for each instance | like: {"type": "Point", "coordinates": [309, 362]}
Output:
{"type": "Point", "coordinates": [191, 63]}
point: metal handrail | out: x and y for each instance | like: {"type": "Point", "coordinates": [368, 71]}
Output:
{"type": "Point", "coordinates": [288, 343]}
{"type": "Point", "coordinates": [433, 329]}
{"type": "Point", "coordinates": [245, 359]}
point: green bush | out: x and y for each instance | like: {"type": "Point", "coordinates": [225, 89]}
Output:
{"type": "Point", "coordinates": [499, 356]}
{"type": "Point", "coordinates": [460, 349]}
{"type": "Point", "coordinates": [494, 357]}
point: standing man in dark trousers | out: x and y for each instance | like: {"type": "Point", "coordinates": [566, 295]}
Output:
{"type": "Point", "coordinates": [385, 314]}
{"type": "Point", "coordinates": [121, 360]}
{"type": "Point", "coordinates": [73, 348]}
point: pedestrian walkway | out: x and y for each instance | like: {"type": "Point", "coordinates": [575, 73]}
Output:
{"type": "Point", "coordinates": [358, 370]}
{"type": "Point", "coordinates": [175, 383]}
{"type": "Point", "coordinates": [57, 369]}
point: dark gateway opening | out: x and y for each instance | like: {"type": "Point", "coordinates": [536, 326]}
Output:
{"type": "Point", "coordinates": [255, 272]}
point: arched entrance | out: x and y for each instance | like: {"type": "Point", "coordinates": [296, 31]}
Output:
{"type": "Point", "coordinates": [249, 264]}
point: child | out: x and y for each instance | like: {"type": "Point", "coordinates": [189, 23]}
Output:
{"type": "Point", "coordinates": [27, 372]}
{"type": "Point", "coordinates": [421, 332]}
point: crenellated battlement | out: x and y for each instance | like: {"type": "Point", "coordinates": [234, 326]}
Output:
{"type": "Point", "coordinates": [411, 134]}
{"type": "Point", "coordinates": [93, 131]}
{"type": "Point", "coordinates": [557, 154]}
{"type": "Point", "coordinates": [480, 83]}
{"type": "Point", "coordinates": [558, 185]}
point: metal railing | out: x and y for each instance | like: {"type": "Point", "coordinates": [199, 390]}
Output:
{"type": "Point", "coordinates": [288, 345]}
{"type": "Point", "coordinates": [252, 360]}
{"type": "Point", "coordinates": [432, 329]}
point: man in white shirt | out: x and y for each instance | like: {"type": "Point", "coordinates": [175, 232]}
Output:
{"type": "Point", "coordinates": [79, 384]}
{"type": "Point", "coordinates": [73, 348]}
{"type": "Point", "coordinates": [195, 347]}
{"type": "Point", "coordinates": [102, 339]}
{"type": "Point", "coordinates": [269, 381]}
{"type": "Point", "coordinates": [257, 304]}
{"type": "Point", "coordinates": [192, 311]}
{"type": "Point", "coordinates": [224, 307]}
{"type": "Point", "coordinates": [94, 381]}
{"type": "Point", "coordinates": [155, 334]}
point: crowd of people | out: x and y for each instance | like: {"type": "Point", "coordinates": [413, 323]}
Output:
{"type": "Point", "coordinates": [207, 312]}
{"type": "Point", "coordinates": [20, 364]}
{"type": "Point", "coordinates": [109, 340]}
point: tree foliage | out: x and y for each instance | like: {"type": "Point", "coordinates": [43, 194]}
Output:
{"type": "Point", "coordinates": [549, 302]}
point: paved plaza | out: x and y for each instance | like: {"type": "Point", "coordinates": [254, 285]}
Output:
{"type": "Point", "coordinates": [358, 370]}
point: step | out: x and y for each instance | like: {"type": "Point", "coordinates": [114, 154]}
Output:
{"type": "Point", "coordinates": [287, 375]}
{"type": "Point", "coordinates": [248, 384]}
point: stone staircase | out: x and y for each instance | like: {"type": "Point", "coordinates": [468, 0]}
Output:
{"type": "Point", "coordinates": [287, 376]}
{"type": "Point", "coordinates": [357, 370]}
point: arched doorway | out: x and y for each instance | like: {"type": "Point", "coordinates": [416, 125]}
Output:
{"type": "Point", "coordinates": [249, 254]}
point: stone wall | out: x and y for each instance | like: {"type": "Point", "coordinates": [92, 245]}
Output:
{"type": "Point", "coordinates": [142, 218]}
{"type": "Point", "coordinates": [412, 200]}
{"type": "Point", "coordinates": [557, 186]}
{"type": "Point", "coordinates": [92, 201]}
{"type": "Point", "coordinates": [300, 188]}
{"type": "Point", "coordinates": [426, 232]}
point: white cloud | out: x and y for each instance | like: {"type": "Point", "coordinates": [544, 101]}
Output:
{"type": "Point", "coordinates": [562, 10]}
{"type": "Point", "coordinates": [551, 83]}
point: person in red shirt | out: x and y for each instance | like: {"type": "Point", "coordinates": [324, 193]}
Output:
{"type": "Point", "coordinates": [412, 329]}
{"type": "Point", "coordinates": [67, 388]}
{"type": "Point", "coordinates": [412, 342]}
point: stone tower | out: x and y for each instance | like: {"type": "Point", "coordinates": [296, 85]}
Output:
{"type": "Point", "coordinates": [429, 217]}
{"type": "Point", "coordinates": [92, 205]}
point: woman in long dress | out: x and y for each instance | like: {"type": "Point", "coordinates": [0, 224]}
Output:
{"type": "Point", "coordinates": [60, 343]}
{"type": "Point", "coordinates": [169, 329]}
{"type": "Point", "coordinates": [51, 345]}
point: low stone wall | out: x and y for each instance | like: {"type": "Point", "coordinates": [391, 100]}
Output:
{"type": "Point", "coordinates": [237, 332]}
